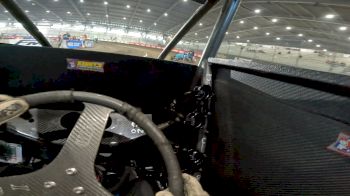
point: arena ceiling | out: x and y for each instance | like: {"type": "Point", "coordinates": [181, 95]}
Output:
{"type": "Point", "coordinates": [316, 24]}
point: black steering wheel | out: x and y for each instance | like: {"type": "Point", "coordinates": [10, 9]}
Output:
{"type": "Point", "coordinates": [72, 171]}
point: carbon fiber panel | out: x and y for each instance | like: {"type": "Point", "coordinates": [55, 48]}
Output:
{"type": "Point", "coordinates": [78, 152]}
{"type": "Point", "coordinates": [275, 135]}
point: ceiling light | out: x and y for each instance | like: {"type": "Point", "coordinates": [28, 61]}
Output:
{"type": "Point", "coordinates": [124, 18]}
{"type": "Point", "coordinates": [68, 12]}
{"type": "Point", "coordinates": [267, 33]}
{"type": "Point", "coordinates": [185, 0]}
{"type": "Point", "coordinates": [330, 16]}
{"type": "Point", "coordinates": [140, 21]}
{"type": "Point", "coordinates": [242, 21]}
{"type": "Point", "coordinates": [33, 4]}
{"type": "Point", "coordinates": [148, 10]}
{"type": "Point", "coordinates": [6, 11]}
{"type": "Point", "coordinates": [226, 33]}
{"type": "Point", "coordinates": [128, 6]}
{"type": "Point", "coordinates": [200, 24]}
{"type": "Point", "coordinates": [257, 11]}
{"type": "Point", "coordinates": [310, 40]}
{"type": "Point", "coordinates": [207, 37]}
{"type": "Point", "coordinates": [288, 28]}
{"type": "Point", "coordinates": [318, 45]}
{"type": "Point", "coordinates": [155, 24]}
{"type": "Point", "coordinates": [55, 0]}
{"type": "Point", "coordinates": [324, 50]}
{"type": "Point", "coordinates": [300, 35]}
{"type": "Point", "coordinates": [197, 41]}
{"type": "Point", "coordinates": [26, 11]}
{"type": "Point", "coordinates": [343, 28]}
{"type": "Point", "coordinates": [165, 14]}
{"type": "Point", "coordinates": [238, 37]}
{"type": "Point", "coordinates": [248, 40]}
{"type": "Point", "coordinates": [274, 20]}
{"type": "Point", "coordinates": [81, 1]}
{"type": "Point", "coordinates": [256, 28]}
{"type": "Point", "coordinates": [278, 38]}
{"type": "Point", "coordinates": [88, 14]}
{"type": "Point", "coordinates": [107, 16]}
{"type": "Point", "coordinates": [47, 11]}
{"type": "Point", "coordinates": [105, 3]}
{"type": "Point", "coordinates": [195, 33]}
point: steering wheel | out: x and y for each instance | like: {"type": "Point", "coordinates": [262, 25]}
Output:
{"type": "Point", "coordinates": [72, 171]}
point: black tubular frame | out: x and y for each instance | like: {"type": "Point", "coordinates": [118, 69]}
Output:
{"type": "Point", "coordinates": [200, 12]}
{"type": "Point", "coordinates": [21, 17]}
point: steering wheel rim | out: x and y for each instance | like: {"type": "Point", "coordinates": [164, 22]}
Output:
{"type": "Point", "coordinates": [99, 114]}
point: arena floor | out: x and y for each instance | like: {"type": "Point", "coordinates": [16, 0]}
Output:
{"type": "Point", "coordinates": [119, 48]}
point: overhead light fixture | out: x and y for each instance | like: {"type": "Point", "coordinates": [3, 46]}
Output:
{"type": "Point", "coordinates": [195, 33]}
{"type": "Point", "coordinates": [274, 20]}
{"type": "Point", "coordinates": [257, 11]}
{"type": "Point", "coordinates": [248, 40]}
{"type": "Point", "coordinates": [256, 28]}
{"type": "Point", "coordinates": [140, 21]}
{"type": "Point", "coordinates": [318, 45]}
{"type": "Point", "coordinates": [88, 14]}
{"type": "Point", "coordinates": [81, 1]}
{"type": "Point", "coordinates": [105, 3]}
{"type": "Point", "coordinates": [330, 16]}
{"type": "Point", "coordinates": [26, 11]}
{"type": "Point", "coordinates": [288, 28]}
{"type": "Point", "coordinates": [200, 24]}
{"type": "Point", "coordinates": [278, 38]}
{"type": "Point", "coordinates": [267, 33]}
{"type": "Point", "coordinates": [343, 28]}
{"type": "Point", "coordinates": [226, 33]}
{"type": "Point", "coordinates": [238, 37]}
{"type": "Point", "coordinates": [124, 18]}
{"type": "Point", "coordinates": [107, 16]}
{"type": "Point", "coordinates": [68, 12]}
{"type": "Point", "coordinates": [55, 0]}
{"type": "Point", "coordinates": [310, 40]}
{"type": "Point", "coordinates": [155, 24]}
{"type": "Point", "coordinates": [300, 35]}
{"type": "Point", "coordinates": [128, 6]}
{"type": "Point", "coordinates": [207, 37]}
{"type": "Point", "coordinates": [6, 11]}
{"type": "Point", "coordinates": [165, 14]}
{"type": "Point", "coordinates": [185, 0]}
{"type": "Point", "coordinates": [242, 21]}
{"type": "Point", "coordinates": [47, 11]}
{"type": "Point", "coordinates": [148, 10]}
{"type": "Point", "coordinates": [197, 41]}
{"type": "Point", "coordinates": [324, 50]}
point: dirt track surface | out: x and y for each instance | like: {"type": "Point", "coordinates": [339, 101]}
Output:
{"type": "Point", "coordinates": [119, 48]}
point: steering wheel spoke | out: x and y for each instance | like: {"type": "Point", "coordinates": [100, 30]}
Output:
{"type": "Point", "coordinates": [72, 171]}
